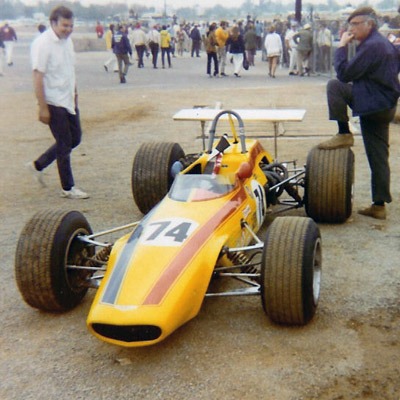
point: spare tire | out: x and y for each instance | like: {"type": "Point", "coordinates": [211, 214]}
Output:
{"type": "Point", "coordinates": [151, 172]}
{"type": "Point", "coordinates": [329, 184]}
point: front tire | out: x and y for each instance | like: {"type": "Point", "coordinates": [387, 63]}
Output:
{"type": "Point", "coordinates": [291, 270]}
{"type": "Point", "coordinates": [329, 185]}
{"type": "Point", "coordinates": [151, 172]}
{"type": "Point", "coordinates": [47, 244]}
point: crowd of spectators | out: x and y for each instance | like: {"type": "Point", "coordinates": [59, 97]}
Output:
{"type": "Point", "coordinates": [304, 48]}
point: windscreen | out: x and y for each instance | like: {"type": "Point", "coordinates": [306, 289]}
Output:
{"type": "Point", "coordinates": [189, 187]}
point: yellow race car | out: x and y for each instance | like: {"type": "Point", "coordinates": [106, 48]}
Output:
{"type": "Point", "coordinates": [202, 215]}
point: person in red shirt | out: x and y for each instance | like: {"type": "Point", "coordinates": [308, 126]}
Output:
{"type": "Point", "coordinates": [99, 30]}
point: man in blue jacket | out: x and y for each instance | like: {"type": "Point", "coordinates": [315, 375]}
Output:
{"type": "Point", "coordinates": [121, 48]}
{"type": "Point", "coordinates": [372, 95]}
{"type": "Point", "coordinates": [196, 40]}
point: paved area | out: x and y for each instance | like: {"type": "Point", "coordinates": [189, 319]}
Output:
{"type": "Point", "coordinates": [231, 350]}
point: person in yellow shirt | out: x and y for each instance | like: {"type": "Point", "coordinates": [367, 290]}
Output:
{"type": "Point", "coordinates": [221, 35]}
{"type": "Point", "coordinates": [111, 62]}
{"type": "Point", "coordinates": [165, 46]}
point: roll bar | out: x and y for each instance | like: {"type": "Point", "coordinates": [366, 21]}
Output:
{"type": "Point", "coordinates": [214, 125]}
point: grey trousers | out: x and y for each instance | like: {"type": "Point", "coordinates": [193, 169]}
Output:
{"type": "Point", "coordinates": [123, 59]}
{"type": "Point", "coordinates": [375, 133]}
{"type": "Point", "coordinates": [221, 53]}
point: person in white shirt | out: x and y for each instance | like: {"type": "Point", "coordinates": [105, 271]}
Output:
{"type": "Point", "coordinates": [139, 40]}
{"type": "Point", "coordinates": [324, 42]}
{"type": "Point", "coordinates": [273, 45]}
{"type": "Point", "coordinates": [291, 46]}
{"type": "Point", "coordinates": [111, 62]}
{"type": "Point", "coordinates": [53, 60]}
{"type": "Point", "coordinates": [154, 42]}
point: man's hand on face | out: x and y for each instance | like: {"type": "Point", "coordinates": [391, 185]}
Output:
{"type": "Point", "coordinates": [346, 38]}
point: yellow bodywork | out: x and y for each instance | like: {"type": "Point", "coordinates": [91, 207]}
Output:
{"type": "Point", "coordinates": [157, 276]}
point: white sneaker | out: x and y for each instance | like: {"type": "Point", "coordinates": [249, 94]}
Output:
{"type": "Point", "coordinates": [74, 193]}
{"type": "Point", "coordinates": [37, 175]}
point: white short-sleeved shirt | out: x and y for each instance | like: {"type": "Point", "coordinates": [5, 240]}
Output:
{"type": "Point", "coordinates": [289, 37]}
{"type": "Point", "coordinates": [55, 58]}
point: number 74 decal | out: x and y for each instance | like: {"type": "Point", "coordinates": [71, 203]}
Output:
{"type": "Point", "coordinates": [168, 232]}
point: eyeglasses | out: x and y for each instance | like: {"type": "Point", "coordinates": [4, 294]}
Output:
{"type": "Point", "coordinates": [354, 24]}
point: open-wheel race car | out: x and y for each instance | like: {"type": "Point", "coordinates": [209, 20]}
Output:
{"type": "Point", "coordinates": [202, 216]}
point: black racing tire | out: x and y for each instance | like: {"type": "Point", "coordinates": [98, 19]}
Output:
{"type": "Point", "coordinates": [46, 246]}
{"type": "Point", "coordinates": [291, 270]}
{"type": "Point", "coordinates": [329, 182]}
{"type": "Point", "coordinates": [151, 172]}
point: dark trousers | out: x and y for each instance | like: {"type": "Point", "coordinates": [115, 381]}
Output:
{"type": "Point", "coordinates": [212, 56]}
{"type": "Point", "coordinates": [196, 44]}
{"type": "Point", "coordinates": [172, 47]}
{"type": "Point", "coordinates": [140, 49]}
{"type": "Point", "coordinates": [154, 53]}
{"type": "Point", "coordinates": [375, 133]}
{"type": "Point", "coordinates": [66, 129]}
{"type": "Point", "coordinates": [165, 50]}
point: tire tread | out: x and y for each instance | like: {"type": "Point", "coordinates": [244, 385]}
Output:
{"type": "Point", "coordinates": [329, 178]}
{"type": "Point", "coordinates": [282, 289]}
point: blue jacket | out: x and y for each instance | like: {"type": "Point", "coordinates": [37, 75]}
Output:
{"type": "Point", "coordinates": [195, 34]}
{"type": "Point", "coordinates": [120, 43]}
{"type": "Point", "coordinates": [374, 72]}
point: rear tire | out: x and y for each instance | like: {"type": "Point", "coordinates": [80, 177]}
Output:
{"type": "Point", "coordinates": [151, 173]}
{"type": "Point", "coordinates": [329, 184]}
{"type": "Point", "coordinates": [291, 270]}
{"type": "Point", "coordinates": [46, 246]}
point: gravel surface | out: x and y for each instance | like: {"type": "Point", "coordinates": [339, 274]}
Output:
{"type": "Point", "coordinates": [231, 350]}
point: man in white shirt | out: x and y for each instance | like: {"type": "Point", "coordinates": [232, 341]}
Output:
{"type": "Point", "coordinates": [291, 46]}
{"type": "Point", "coordinates": [139, 40]}
{"type": "Point", "coordinates": [53, 60]}
{"type": "Point", "coordinates": [154, 41]}
{"type": "Point", "coordinates": [324, 41]}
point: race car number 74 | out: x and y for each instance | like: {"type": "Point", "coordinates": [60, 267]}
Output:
{"type": "Point", "coordinates": [168, 232]}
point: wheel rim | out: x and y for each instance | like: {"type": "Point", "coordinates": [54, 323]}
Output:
{"type": "Point", "coordinates": [352, 196]}
{"type": "Point", "coordinates": [76, 254]}
{"type": "Point", "coordinates": [317, 260]}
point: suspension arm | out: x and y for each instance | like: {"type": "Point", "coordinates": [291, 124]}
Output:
{"type": "Point", "coordinates": [251, 291]}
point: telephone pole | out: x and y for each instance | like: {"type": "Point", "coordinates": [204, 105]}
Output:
{"type": "Point", "coordinates": [298, 11]}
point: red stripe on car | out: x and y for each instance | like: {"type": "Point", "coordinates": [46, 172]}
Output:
{"type": "Point", "coordinates": [194, 244]}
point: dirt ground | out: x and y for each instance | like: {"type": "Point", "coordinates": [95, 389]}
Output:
{"type": "Point", "coordinates": [231, 350]}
